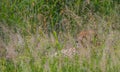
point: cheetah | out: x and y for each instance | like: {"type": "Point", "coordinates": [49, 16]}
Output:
{"type": "Point", "coordinates": [86, 38]}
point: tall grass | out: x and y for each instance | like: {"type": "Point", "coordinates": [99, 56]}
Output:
{"type": "Point", "coordinates": [33, 33]}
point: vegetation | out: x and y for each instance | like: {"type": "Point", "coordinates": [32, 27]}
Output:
{"type": "Point", "coordinates": [34, 32]}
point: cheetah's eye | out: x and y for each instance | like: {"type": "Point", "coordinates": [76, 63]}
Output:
{"type": "Point", "coordinates": [76, 41]}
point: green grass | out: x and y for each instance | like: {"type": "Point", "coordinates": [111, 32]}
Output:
{"type": "Point", "coordinates": [31, 32]}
